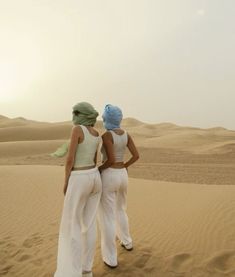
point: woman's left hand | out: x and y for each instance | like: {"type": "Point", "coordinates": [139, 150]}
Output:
{"type": "Point", "coordinates": [65, 188]}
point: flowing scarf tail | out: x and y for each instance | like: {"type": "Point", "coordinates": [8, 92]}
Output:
{"type": "Point", "coordinates": [61, 151]}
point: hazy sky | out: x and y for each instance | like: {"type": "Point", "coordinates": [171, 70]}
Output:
{"type": "Point", "coordinates": [159, 60]}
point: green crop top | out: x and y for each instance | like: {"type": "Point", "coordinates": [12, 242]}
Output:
{"type": "Point", "coordinates": [86, 150]}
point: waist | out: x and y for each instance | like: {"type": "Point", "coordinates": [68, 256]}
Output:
{"type": "Point", "coordinates": [84, 171]}
{"type": "Point", "coordinates": [83, 167]}
{"type": "Point", "coordinates": [118, 165]}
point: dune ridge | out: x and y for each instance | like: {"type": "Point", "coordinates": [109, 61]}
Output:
{"type": "Point", "coordinates": [168, 152]}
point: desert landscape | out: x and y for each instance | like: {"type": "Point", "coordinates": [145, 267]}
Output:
{"type": "Point", "coordinates": [181, 200]}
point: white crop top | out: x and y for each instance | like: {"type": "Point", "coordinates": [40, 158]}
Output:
{"type": "Point", "coordinates": [119, 146]}
{"type": "Point", "coordinates": [86, 150]}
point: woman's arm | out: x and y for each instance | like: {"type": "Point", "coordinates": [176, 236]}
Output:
{"type": "Point", "coordinates": [108, 146]}
{"type": "Point", "coordinates": [74, 140]}
{"type": "Point", "coordinates": [132, 148]}
{"type": "Point", "coordinates": [95, 158]}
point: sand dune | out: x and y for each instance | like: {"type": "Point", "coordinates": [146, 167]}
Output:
{"type": "Point", "coordinates": [184, 227]}
{"type": "Point", "coordinates": [189, 141]}
{"type": "Point", "coordinates": [131, 122]}
{"type": "Point", "coordinates": [18, 121]}
{"type": "Point", "coordinates": [165, 135]}
{"type": "Point", "coordinates": [13, 149]}
{"type": "Point", "coordinates": [178, 229]}
{"type": "Point", "coordinates": [27, 133]}
{"type": "Point", "coordinates": [168, 152]}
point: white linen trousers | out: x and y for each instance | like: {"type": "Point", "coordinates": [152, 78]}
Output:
{"type": "Point", "coordinates": [77, 234]}
{"type": "Point", "coordinates": [113, 219]}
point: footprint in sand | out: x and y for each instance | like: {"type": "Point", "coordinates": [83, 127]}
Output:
{"type": "Point", "coordinates": [35, 239]}
{"type": "Point", "coordinates": [9, 244]}
{"type": "Point", "coordinates": [5, 270]}
{"type": "Point", "coordinates": [16, 253]}
{"type": "Point", "coordinates": [37, 262]}
{"type": "Point", "coordinates": [2, 242]}
{"type": "Point", "coordinates": [180, 263]}
{"type": "Point", "coordinates": [223, 262]}
{"type": "Point", "coordinates": [23, 258]}
{"type": "Point", "coordinates": [7, 238]}
{"type": "Point", "coordinates": [141, 261]}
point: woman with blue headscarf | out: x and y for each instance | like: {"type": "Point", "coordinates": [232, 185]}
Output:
{"type": "Point", "coordinates": [82, 189]}
{"type": "Point", "coordinates": [112, 211]}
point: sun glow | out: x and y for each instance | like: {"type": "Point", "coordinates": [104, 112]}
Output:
{"type": "Point", "coordinates": [21, 63]}
{"type": "Point", "coordinates": [16, 77]}
{"type": "Point", "coordinates": [9, 81]}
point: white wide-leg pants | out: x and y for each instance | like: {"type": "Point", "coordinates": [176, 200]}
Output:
{"type": "Point", "coordinates": [77, 234]}
{"type": "Point", "coordinates": [113, 218]}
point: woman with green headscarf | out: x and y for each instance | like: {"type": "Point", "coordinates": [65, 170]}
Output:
{"type": "Point", "coordinates": [82, 189]}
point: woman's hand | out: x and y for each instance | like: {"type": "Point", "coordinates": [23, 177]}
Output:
{"type": "Point", "coordinates": [74, 140]}
{"type": "Point", "coordinates": [65, 188]}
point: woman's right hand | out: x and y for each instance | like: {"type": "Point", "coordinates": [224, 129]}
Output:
{"type": "Point", "coordinates": [65, 189]}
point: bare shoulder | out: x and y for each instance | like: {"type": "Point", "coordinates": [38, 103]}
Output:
{"type": "Point", "coordinates": [77, 129]}
{"type": "Point", "coordinates": [128, 135]}
{"type": "Point", "coordinates": [107, 135]}
{"type": "Point", "coordinates": [122, 131]}
{"type": "Point", "coordinates": [129, 138]}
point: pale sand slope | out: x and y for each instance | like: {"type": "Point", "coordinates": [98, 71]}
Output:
{"type": "Point", "coordinates": [168, 152]}
{"type": "Point", "coordinates": [164, 135]}
{"type": "Point", "coordinates": [181, 230]}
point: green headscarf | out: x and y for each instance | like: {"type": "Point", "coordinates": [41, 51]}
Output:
{"type": "Point", "coordinates": [83, 114]}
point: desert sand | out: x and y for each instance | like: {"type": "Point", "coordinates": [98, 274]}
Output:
{"type": "Point", "coordinates": [181, 200]}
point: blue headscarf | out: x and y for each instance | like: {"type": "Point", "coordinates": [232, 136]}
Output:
{"type": "Point", "coordinates": [112, 117]}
